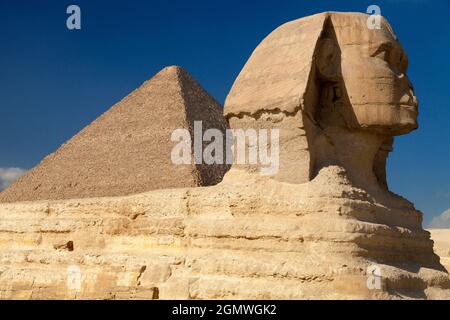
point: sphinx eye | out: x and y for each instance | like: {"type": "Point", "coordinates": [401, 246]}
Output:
{"type": "Point", "coordinates": [383, 51]}
{"type": "Point", "coordinates": [397, 60]}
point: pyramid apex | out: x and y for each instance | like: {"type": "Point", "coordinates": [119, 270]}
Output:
{"type": "Point", "coordinates": [172, 70]}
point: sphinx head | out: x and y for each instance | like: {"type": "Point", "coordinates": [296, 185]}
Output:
{"type": "Point", "coordinates": [337, 90]}
{"type": "Point", "coordinates": [364, 71]}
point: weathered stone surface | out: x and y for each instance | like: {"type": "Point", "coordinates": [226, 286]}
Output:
{"type": "Point", "coordinates": [333, 87]}
{"type": "Point", "coordinates": [248, 237]}
{"type": "Point", "coordinates": [128, 149]}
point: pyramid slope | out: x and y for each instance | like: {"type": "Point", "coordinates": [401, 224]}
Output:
{"type": "Point", "coordinates": [127, 149]}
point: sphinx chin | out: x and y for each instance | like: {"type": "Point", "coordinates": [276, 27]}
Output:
{"type": "Point", "coordinates": [387, 119]}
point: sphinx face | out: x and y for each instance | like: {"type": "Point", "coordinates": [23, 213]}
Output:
{"type": "Point", "coordinates": [374, 72]}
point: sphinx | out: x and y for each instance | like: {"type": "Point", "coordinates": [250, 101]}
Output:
{"type": "Point", "coordinates": [324, 226]}
{"type": "Point", "coordinates": [337, 90]}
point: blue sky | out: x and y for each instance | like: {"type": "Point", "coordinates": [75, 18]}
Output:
{"type": "Point", "coordinates": [54, 81]}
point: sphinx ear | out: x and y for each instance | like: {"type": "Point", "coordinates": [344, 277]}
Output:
{"type": "Point", "coordinates": [328, 59]}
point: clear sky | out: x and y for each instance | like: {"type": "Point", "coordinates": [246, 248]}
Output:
{"type": "Point", "coordinates": [54, 81]}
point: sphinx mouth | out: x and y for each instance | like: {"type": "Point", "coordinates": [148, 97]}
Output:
{"type": "Point", "coordinates": [410, 107]}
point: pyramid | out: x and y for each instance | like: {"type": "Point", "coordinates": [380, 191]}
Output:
{"type": "Point", "coordinates": [127, 150]}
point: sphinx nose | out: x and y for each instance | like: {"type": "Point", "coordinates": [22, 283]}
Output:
{"type": "Point", "coordinates": [405, 83]}
{"type": "Point", "coordinates": [411, 87]}
{"type": "Point", "coordinates": [413, 98]}
{"type": "Point", "coordinates": [408, 96]}
{"type": "Point", "coordinates": [415, 102]}
{"type": "Point", "coordinates": [407, 99]}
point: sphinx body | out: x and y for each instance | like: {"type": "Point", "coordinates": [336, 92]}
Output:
{"type": "Point", "coordinates": [250, 237]}
{"type": "Point", "coordinates": [316, 230]}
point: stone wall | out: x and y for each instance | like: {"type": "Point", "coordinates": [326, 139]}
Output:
{"type": "Point", "coordinates": [247, 238]}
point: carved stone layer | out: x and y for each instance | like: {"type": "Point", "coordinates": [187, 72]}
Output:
{"type": "Point", "coordinates": [248, 237]}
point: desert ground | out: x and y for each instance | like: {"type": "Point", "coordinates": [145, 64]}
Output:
{"type": "Point", "coordinates": [441, 239]}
